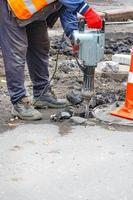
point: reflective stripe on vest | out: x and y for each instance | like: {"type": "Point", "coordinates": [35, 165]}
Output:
{"type": "Point", "coordinates": [24, 9]}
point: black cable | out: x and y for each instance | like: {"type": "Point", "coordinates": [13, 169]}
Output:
{"type": "Point", "coordinates": [57, 57]}
{"type": "Point", "coordinates": [55, 70]}
{"type": "Point", "coordinates": [56, 67]}
{"type": "Point", "coordinates": [82, 67]}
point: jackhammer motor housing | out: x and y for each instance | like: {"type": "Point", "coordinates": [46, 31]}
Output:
{"type": "Point", "coordinates": [91, 51]}
{"type": "Point", "coordinates": [91, 45]}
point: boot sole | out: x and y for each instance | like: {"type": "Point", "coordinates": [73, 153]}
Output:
{"type": "Point", "coordinates": [48, 105]}
{"type": "Point", "coordinates": [16, 114]}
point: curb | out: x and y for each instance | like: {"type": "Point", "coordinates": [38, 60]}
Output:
{"type": "Point", "coordinates": [118, 15]}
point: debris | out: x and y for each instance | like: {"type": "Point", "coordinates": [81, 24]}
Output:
{"type": "Point", "coordinates": [109, 66]}
{"type": "Point", "coordinates": [67, 66]}
{"type": "Point", "coordinates": [103, 98]}
{"type": "Point", "coordinates": [11, 125]}
{"type": "Point", "coordinates": [117, 104]}
{"type": "Point", "coordinates": [60, 116]}
{"type": "Point", "coordinates": [118, 42]}
{"type": "Point", "coordinates": [57, 77]}
{"type": "Point", "coordinates": [97, 100]}
{"type": "Point", "coordinates": [12, 119]}
{"type": "Point", "coordinates": [78, 120]}
{"type": "Point", "coordinates": [122, 59]}
{"type": "Point", "coordinates": [65, 47]}
{"type": "Point", "coordinates": [74, 97]}
{"type": "Point", "coordinates": [70, 110]}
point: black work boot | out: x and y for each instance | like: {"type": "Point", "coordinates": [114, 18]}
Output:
{"type": "Point", "coordinates": [24, 110]}
{"type": "Point", "coordinates": [48, 100]}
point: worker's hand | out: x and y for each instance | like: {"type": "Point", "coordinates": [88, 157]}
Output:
{"type": "Point", "coordinates": [75, 47]}
{"type": "Point", "coordinates": [93, 20]}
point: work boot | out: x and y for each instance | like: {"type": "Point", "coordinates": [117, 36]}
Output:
{"type": "Point", "coordinates": [49, 100]}
{"type": "Point", "coordinates": [24, 110]}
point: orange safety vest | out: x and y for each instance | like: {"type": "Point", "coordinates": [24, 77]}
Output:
{"type": "Point", "coordinates": [24, 9]}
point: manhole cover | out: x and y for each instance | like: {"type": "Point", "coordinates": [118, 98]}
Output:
{"type": "Point", "coordinates": [102, 113]}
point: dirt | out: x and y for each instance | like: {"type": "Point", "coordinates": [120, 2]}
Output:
{"type": "Point", "coordinates": [62, 84]}
{"type": "Point", "coordinates": [69, 77]}
{"type": "Point", "coordinates": [118, 43]}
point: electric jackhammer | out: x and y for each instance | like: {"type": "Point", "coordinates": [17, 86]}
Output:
{"type": "Point", "coordinates": [91, 51]}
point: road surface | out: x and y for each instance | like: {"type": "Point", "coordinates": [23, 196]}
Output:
{"type": "Point", "coordinates": [88, 163]}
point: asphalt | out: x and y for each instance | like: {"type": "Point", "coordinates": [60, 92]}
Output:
{"type": "Point", "coordinates": [37, 163]}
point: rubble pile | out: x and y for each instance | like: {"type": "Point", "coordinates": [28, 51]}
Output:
{"type": "Point", "coordinates": [118, 43]}
{"type": "Point", "coordinates": [69, 78]}
{"type": "Point", "coordinates": [76, 111]}
{"type": "Point", "coordinates": [64, 47]}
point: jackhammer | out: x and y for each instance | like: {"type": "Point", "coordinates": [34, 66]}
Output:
{"type": "Point", "coordinates": [91, 51]}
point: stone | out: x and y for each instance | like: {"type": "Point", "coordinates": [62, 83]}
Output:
{"type": "Point", "coordinates": [74, 97]}
{"type": "Point", "coordinates": [109, 66]}
{"type": "Point", "coordinates": [60, 116]}
{"type": "Point", "coordinates": [78, 120]}
{"type": "Point", "coordinates": [122, 59]}
{"type": "Point", "coordinates": [70, 110]}
{"type": "Point", "coordinates": [67, 65]}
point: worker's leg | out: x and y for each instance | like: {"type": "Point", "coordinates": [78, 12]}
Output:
{"type": "Point", "coordinates": [13, 42]}
{"type": "Point", "coordinates": [37, 56]}
{"type": "Point", "coordinates": [14, 46]}
{"type": "Point", "coordinates": [37, 59]}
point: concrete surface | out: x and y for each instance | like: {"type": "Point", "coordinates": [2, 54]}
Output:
{"type": "Point", "coordinates": [90, 163]}
{"type": "Point", "coordinates": [121, 75]}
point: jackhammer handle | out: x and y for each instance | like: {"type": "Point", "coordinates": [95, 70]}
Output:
{"type": "Point", "coordinates": [81, 25]}
{"type": "Point", "coordinates": [103, 27]}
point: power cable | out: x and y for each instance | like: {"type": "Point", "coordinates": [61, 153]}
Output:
{"type": "Point", "coordinates": [55, 70]}
{"type": "Point", "coordinates": [56, 66]}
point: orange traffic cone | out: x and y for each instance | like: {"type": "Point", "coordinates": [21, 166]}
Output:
{"type": "Point", "coordinates": [126, 111]}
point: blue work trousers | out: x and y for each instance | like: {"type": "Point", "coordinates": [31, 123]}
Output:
{"type": "Point", "coordinates": [19, 45]}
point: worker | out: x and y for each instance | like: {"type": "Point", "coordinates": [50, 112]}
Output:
{"type": "Point", "coordinates": [24, 37]}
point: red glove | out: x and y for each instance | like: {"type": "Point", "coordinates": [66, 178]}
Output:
{"type": "Point", "coordinates": [93, 20]}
